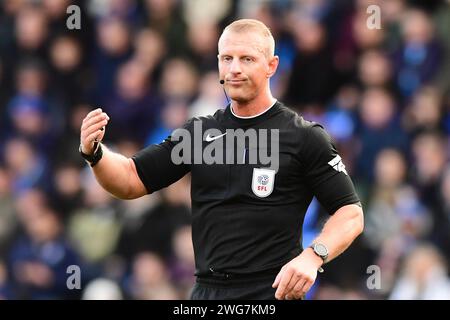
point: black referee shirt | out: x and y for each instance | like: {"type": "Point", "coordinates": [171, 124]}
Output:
{"type": "Point", "coordinates": [244, 220]}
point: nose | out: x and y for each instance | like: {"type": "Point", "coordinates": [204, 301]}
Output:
{"type": "Point", "coordinates": [235, 67]}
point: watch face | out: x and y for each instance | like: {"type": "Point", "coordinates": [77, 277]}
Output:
{"type": "Point", "coordinates": [321, 249]}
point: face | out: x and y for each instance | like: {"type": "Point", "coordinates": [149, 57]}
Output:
{"type": "Point", "coordinates": [244, 65]}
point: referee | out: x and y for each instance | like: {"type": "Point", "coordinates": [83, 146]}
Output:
{"type": "Point", "coordinates": [247, 216]}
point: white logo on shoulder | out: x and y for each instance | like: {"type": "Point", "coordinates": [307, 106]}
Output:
{"type": "Point", "coordinates": [337, 164]}
{"type": "Point", "coordinates": [263, 181]}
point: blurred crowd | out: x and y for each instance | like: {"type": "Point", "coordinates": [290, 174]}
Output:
{"type": "Point", "coordinates": [383, 94]}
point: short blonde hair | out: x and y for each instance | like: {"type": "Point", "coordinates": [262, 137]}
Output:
{"type": "Point", "coordinates": [247, 25]}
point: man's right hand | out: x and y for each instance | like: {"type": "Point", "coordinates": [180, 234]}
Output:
{"type": "Point", "coordinates": [92, 130]}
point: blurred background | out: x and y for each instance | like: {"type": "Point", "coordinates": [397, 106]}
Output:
{"type": "Point", "coordinates": [383, 94]}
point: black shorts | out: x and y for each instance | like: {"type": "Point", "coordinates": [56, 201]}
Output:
{"type": "Point", "coordinates": [250, 288]}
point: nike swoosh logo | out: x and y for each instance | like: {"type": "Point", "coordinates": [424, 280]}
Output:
{"type": "Point", "coordinates": [209, 138]}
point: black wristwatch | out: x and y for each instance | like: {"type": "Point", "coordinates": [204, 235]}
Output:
{"type": "Point", "coordinates": [320, 250]}
{"type": "Point", "coordinates": [92, 159]}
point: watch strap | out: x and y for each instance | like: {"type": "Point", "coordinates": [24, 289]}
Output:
{"type": "Point", "coordinates": [94, 158]}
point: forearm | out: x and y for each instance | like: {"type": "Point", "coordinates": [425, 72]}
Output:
{"type": "Point", "coordinates": [116, 174]}
{"type": "Point", "coordinates": [341, 230]}
{"type": "Point", "coordinates": [298, 275]}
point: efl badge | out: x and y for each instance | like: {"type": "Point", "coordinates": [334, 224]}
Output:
{"type": "Point", "coordinates": [262, 182]}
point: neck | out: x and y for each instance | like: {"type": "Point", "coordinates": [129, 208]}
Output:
{"type": "Point", "coordinates": [252, 107]}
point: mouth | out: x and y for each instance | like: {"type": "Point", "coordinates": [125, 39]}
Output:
{"type": "Point", "coordinates": [236, 82]}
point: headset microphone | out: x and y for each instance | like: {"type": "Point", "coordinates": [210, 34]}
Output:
{"type": "Point", "coordinates": [226, 96]}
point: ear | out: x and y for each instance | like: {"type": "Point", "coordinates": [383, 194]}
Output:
{"type": "Point", "coordinates": [272, 66]}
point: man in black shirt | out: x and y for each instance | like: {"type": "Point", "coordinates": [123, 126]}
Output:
{"type": "Point", "coordinates": [255, 167]}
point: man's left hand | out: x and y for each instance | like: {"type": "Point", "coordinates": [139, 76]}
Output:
{"type": "Point", "coordinates": [297, 276]}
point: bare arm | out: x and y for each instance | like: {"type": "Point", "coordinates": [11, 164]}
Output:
{"type": "Point", "coordinates": [341, 229]}
{"type": "Point", "coordinates": [298, 275]}
{"type": "Point", "coordinates": [115, 173]}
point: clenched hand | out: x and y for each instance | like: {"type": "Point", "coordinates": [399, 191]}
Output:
{"type": "Point", "coordinates": [93, 130]}
{"type": "Point", "coordinates": [297, 276]}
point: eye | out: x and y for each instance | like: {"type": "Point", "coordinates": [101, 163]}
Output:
{"type": "Point", "coordinates": [227, 58]}
{"type": "Point", "coordinates": [248, 59]}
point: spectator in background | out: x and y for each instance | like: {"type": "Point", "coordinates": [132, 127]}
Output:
{"type": "Point", "coordinates": [31, 77]}
{"type": "Point", "coordinates": [153, 229]}
{"type": "Point", "coordinates": [210, 96]}
{"type": "Point", "coordinates": [202, 31]}
{"type": "Point", "coordinates": [179, 81]}
{"type": "Point", "coordinates": [55, 12]}
{"type": "Point", "coordinates": [178, 89]}
{"type": "Point", "coordinates": [30, 112]}
{"type": "Point", "coordinates": [365, 38]}
{"type": "Point", "coordinates": [114, 48]}
{"type": "Point", "coordinates": [149, 51]}
{"type": "Point", "coordinates": [424, 112]}
{"type": "Point", "coordinates": [379, 128]}
{"type": "Point", "coordinates": [396, 217]}
{"type": "Point", "coordinates": [149, 279]}
{"type": "Point", "coordinates": [340, 119]}
{"type": "Point", "coordinates": [67, 189]}
{"type": "Point", "coordinates": [94, 228]}
{"type": "Point", "coordinates": [172, 116]}
{"type": "Point", "coordinates": [165, 17]}
{"type": "Point", "coordinates": [31, 32]}
{"type": "Point", "coordinates": [430, 159]}
{"type": "Point", "coordinates": [392, 18]}
{"type": "Point", "coordinates": [312, 69]}
{"type": "Point", "coordinates": [135, 104]}
{"type": "Point", "coordinates": [417, 59]}
{"type": "Point", "coordinates": [429, 154]}
{"type": "Point", "coordinates": [374, 69]}
{"type": "Point", "coordinates": [182, 264]}
{"type": "Point", "coordinates": [27, 167]}
{"type": "Point", "coordinates": [423, 276]}
{"type": "Point", "coordinates": [68, 72]}
{"type": "Point", "coordinates": [29, 118]}
{"type": "Point", "coordinates": [38, 260]}
{"type": "Point", "coordinates": [202, 37]}
{"type": "Point", "coordinates": [394, 209]}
